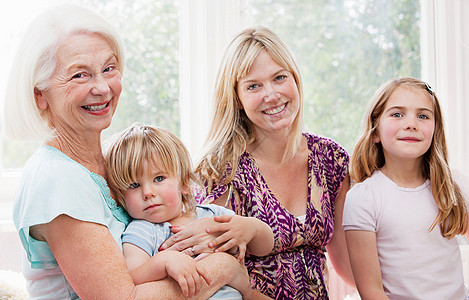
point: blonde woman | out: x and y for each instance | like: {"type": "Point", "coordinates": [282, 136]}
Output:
{"type": "Point", "coordinates": [402, 216]}
{"type": "Point", "coordinates": [259, 163]}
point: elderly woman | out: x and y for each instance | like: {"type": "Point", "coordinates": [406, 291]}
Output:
{"type": "Point", "coordinates": [259, 163]}
{"type": "Point", "coordinates": [64, 88]}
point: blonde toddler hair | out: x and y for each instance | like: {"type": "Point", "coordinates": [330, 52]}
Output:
{"type": "Point", "coordinates": [138, 144]}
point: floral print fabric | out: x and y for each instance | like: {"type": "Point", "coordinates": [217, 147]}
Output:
{"type": "Point", "coordinates": [295, 269]}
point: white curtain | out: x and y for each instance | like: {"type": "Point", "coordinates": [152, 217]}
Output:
{"type": "Point", "coordinates": [445, 65]}
{"type": "Point", "coordinates": [206, 27]}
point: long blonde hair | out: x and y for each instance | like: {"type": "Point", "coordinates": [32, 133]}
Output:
{"type": "Point", "coordinates": [231, 131]}
{"type": "Point", "coordinates": [368, 157]}
{"type": "Point", "coordinates": [138, 144]}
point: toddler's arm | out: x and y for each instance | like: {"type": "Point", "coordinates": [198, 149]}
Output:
{"type": "Point", "coordinates": [181, 267]}
{"type": "Point", "coordinates": [364, 260]}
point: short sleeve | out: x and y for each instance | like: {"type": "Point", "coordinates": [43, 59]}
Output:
{"type": "Point", "coordinates": [51, 187]}
{"type": "Point", "coordinates": [341, 160]}
{"type": "Point", "coordinates": [339, 167]}
{"type": "Point", "coordinates": [57, 188]}
{"type": "Point", "coordinates": [146, 235]}
{"type": "Point", "coordinates": [360, 209]}
{"type": "Point", "coordinates": [330, 162]}
{"type": "Point", "coordinates": [210, 210]}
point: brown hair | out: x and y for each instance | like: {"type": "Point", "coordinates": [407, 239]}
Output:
{"type": "Point", "coordinates": [368, 157]}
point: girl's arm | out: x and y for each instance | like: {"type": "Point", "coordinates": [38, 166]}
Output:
{"type": "Point", "coordinates": [249, 234]}
{"type": "Point", "coordinates": [178, 266]}
{"type": "Point", "coordinates": [365, 264]}
{"type": "Point", "coordinates": [337, 248]}
{"type": "Point", "coordinates": [96, 269]}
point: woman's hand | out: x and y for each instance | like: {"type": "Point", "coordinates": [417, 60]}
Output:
{"type": "Point", "coordinates": [192, 238]}
{"type": "Point", "coordinates": [246, 233]}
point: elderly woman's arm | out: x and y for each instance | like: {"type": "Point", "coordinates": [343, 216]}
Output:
{"type": "Point", "coordinates": [337, 247]}
{"type": "Point", "coordinates": [95, 267]}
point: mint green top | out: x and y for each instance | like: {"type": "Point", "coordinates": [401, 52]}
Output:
{"type": "Point", "coordinates": [52, 185]}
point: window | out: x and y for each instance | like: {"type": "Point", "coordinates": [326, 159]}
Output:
{"type": "Point", "coordinates": [344, 49]}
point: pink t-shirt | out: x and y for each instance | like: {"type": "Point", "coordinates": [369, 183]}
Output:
{"type": "Point", "coordinates": [415, 263]}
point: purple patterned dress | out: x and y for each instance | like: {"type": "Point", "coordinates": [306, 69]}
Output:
{"type": "Point", "coordinates": [295, 269]}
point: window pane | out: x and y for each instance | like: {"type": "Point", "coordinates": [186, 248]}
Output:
{"type": "Point", "coordinates": [345, 50]}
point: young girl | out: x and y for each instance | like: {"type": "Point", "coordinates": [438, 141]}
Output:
{"type": "Point", "coordinates": [405, 210]}
{"type": "Point", "coordinates": [150, 173]}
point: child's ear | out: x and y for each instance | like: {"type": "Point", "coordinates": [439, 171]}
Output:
{"type": "Point", "coordinates": [186, 188]}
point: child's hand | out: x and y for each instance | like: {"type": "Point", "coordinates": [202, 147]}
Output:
{"type": "Point", "coordinates": [238, 232]}
{"type": "Point", "coordinates": [185, 270]}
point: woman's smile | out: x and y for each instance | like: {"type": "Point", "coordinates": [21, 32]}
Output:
{"type": "Point", "coordinates": [275, 110]}
{"type": "Point", "coordinates": [97, 109]}
{"type": "Point", "coordinates": [269, 95]}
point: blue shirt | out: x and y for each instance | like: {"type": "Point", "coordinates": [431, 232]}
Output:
{"type": "Point", "coordinates": [149, 237]}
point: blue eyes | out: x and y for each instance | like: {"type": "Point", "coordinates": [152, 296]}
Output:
{"type": "Point", "coordinates": [280, 77]}
{"type": "Point", "coordinates": [400, 115]}
{"type": "Point", "coordinates": [136, 184]}
{"type": "Point", "coordinates": [255, 85]}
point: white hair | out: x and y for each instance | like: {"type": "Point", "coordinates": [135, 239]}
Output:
{"type": "Point", "coordinates": [35, 62]}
